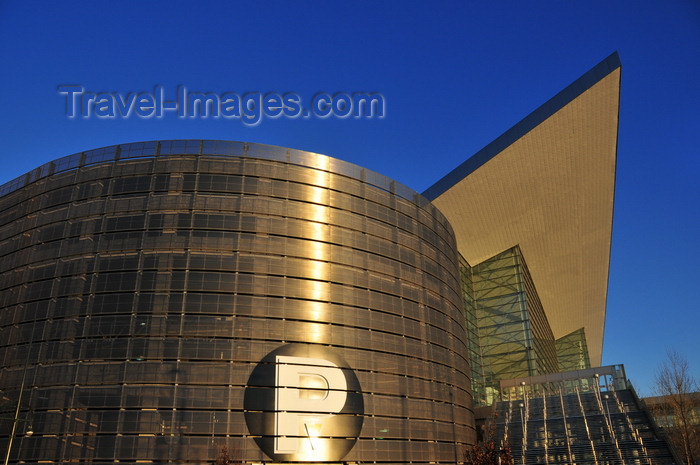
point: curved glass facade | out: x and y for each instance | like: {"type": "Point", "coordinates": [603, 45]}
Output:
{"type": "Point", "coordinates": [147, 289]}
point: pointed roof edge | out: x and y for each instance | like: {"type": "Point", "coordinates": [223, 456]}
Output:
{"type": "Point", "coordinates": [531, 121]}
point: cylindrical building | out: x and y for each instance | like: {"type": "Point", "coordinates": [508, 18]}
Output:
{"type": "Point", "coordinates": [160, 301]}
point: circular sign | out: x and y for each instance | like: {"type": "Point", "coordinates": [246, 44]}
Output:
{"type": "Point", "coordinates": [303, 403]}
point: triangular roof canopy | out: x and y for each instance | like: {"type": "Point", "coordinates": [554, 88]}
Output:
{"type": "Point", "coordinates": [547, 185]}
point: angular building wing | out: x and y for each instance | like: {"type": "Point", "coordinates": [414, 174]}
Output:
{"type": "Point", "coordinates": [547, 185]}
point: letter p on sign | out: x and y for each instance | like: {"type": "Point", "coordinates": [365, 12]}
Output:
{"type": "Point", "coordinates": [307, 390]}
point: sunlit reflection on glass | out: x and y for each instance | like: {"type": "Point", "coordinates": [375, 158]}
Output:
{"type": "Point", "coordinates": [317, 332]}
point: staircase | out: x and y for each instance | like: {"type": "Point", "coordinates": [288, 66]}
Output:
{"type": "Point", "coordinates": [594, 427]}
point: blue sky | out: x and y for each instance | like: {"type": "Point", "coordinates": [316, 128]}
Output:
{"type": "Point", "coordinates": [455, 75]}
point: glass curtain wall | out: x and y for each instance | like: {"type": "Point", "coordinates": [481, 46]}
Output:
{"type": "Point", "coordinates": [572, 351]}
{"type": "Point", "coordinates": [473, 341]}
{"type": "Point", "coordinates": [514, 334]}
